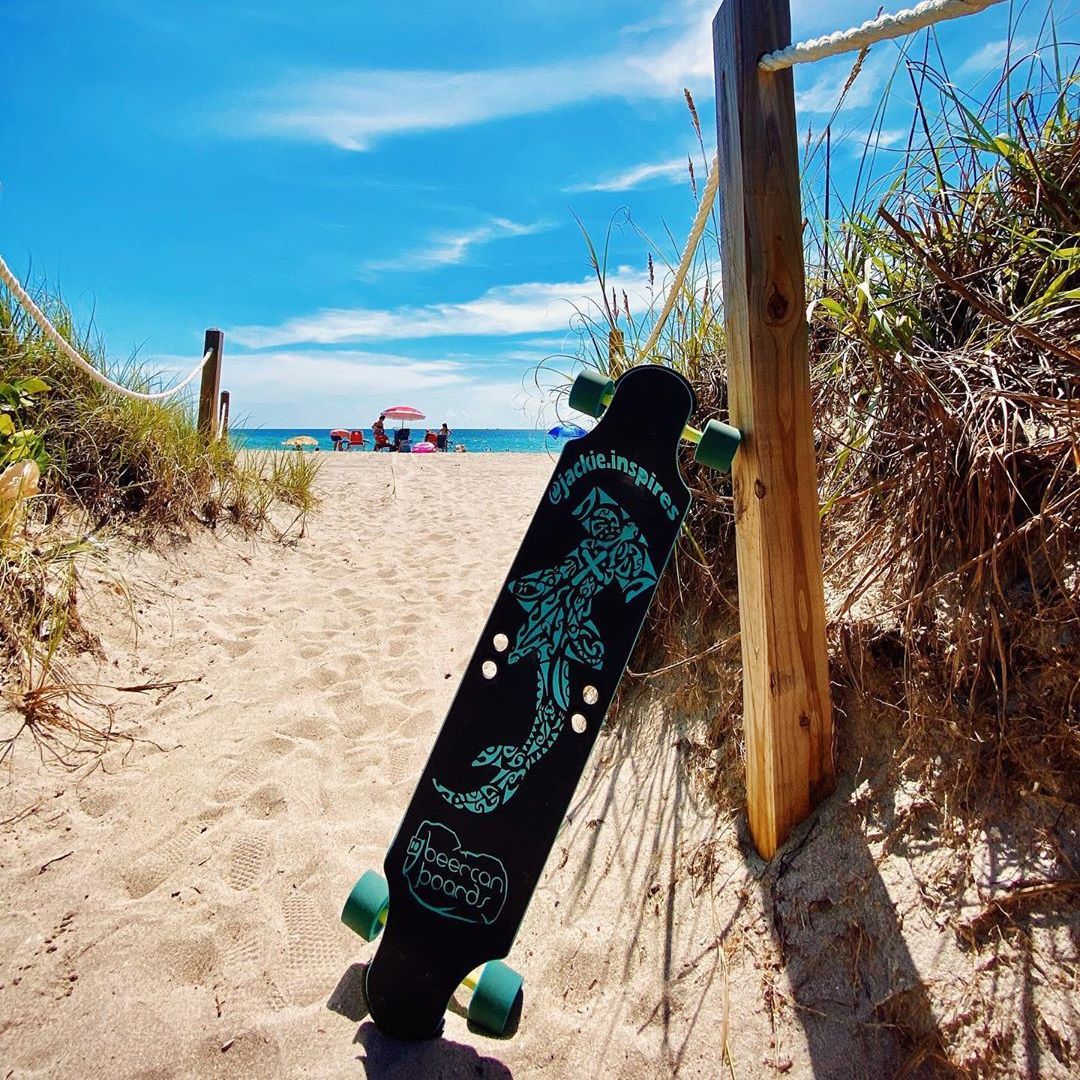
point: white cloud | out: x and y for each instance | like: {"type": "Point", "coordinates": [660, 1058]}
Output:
{"type": "Point", "coordinates": [449, 249]}
{"type": "Point", "coordinates": [992, 56]}
{"type": "Point", "coordinates": [668, 171]}
{"type": "Point", "coordinates": [532, 307]}
{"type": "Point", "coordinates": [354, 109]}
{"type": "Point", "coordinates": [859, 140]}
{"type": "Point", "coordinates": [823, 94]}
{"type": "Point", "coordinates": [320, 388]}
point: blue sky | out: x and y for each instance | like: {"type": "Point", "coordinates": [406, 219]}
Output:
{"type": "Point", "coordinates": [374, 201]}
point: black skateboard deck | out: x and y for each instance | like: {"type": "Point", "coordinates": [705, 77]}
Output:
{"type": "Point", "coordinates": [486, 811]}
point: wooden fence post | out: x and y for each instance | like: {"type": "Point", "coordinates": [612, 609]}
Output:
{"type": "Point", "coordinates": [223, 414]}
{"type": "Point", "coordinates": [211, 384]}
{"type": "Point", "coordinates": [786, 702]}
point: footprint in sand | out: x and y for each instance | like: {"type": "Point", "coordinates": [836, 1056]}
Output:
{"type": "Point", "coordinates": [148, 871]}
{"type": "Point", "coordinates": [311, 954]}
{"type": "Point", "coordinates": [234, 650]}
{"type": "Point", "coordinates": [97, 801]}
{"type": "Point", "coordinates": [245, 988]}
{"type": "Point", "coordinates": [402, 762]}
{"type": "Point", "coordinates": [260, 760]}
{"type": "Point", "coordinates": [266, 801]}
{"type": "Point", "coordinates": [238, 781]}
{"type": "Point", "coordinates": [402, 679]}
{"type": "Point", "coordinates": [305, 787]}
{"type": "Point", "coordinates": [248, 859]}
{"type": "Point", "coordinates": [310, 727]}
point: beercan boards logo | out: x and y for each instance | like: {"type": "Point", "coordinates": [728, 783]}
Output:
{"type": "Point", "coordinates": [445, 879]}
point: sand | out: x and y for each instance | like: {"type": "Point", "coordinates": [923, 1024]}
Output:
{"type": "Point", "coordinates": [173, 908]}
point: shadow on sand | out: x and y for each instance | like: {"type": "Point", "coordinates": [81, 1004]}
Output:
{"type": "Point", "coordinates": [387, 1059]}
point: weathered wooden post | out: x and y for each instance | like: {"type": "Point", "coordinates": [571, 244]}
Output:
{"type": "Point", "coordinates": [223, 414]}
{"type": "Point", "coordinates": [786, 701]}
{"type": "Point", "coordinates": [211, 384]}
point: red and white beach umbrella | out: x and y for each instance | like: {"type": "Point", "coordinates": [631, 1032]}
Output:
{"type": "Point", "coordinates": [402, 413]}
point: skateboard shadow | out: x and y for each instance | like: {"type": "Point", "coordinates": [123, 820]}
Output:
{"type": "Point", "coordinates": [387, 1058]}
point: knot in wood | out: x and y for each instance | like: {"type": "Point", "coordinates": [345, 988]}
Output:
{"type": "Point", "coordinates": [778, 304]}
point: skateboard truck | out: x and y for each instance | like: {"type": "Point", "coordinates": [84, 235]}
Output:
{"type": "Point", "coordinates": [715, 445]}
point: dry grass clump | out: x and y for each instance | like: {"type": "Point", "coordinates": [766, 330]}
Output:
{"type": "Point", "coordinates": [107, 463]}
{"type": "Point", "coordinates": [945, 344]}
{"type": "Point", "coordinates": [945, 367]}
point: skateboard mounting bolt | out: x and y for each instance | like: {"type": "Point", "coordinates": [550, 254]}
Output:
{"type": "Point", "coordinates": [500, 641]}
{"type": "Point", "coordinates": [489, 668]}
{"type": "Point", "coordinates": [591, 695]}
{"type": "Point", "coordinates": [578, 723]}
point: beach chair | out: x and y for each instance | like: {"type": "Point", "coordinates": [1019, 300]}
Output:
{"type": "Point", "coordinates": [356, 438]}
{"type": "Point", "coordinates": [401, 440]}
{"type": "Point", "coordinates": [381, 441]}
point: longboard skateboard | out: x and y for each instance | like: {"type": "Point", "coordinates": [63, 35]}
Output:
{"type": "Point", "coordinates": [470, 849]}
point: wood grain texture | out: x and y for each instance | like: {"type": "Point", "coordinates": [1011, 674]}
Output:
{"type": "Point", "coordinates": [786, 702]}
{"type": "Point", "coordinates": [210, 387]}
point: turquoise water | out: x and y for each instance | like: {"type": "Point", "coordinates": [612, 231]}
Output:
{"type": "Point", "coordinates": [476, 440]}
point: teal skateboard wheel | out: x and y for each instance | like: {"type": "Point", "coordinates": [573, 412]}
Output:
{"type": "Point", "coordinates": [588, 392]}
{"type": "Point", "coordinates": [365, 910]}
{"type": "Point", "coordinates": [717, 445]}
{"type": "Point", "coordinates": [494, 997]}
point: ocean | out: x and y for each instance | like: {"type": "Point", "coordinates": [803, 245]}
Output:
{"type": "Point", "coordinates": [475, 440]}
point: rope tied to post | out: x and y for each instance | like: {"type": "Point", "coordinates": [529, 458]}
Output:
{"type": "Point", "coordinates": [882, 28]}
{"type": "Point", "coordinates": [54, 335]}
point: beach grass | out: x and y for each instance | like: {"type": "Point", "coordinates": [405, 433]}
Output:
{"type": "Point", "coordinates": [944, 316]}
{"type": "Point", "coordinates": [109, 465]}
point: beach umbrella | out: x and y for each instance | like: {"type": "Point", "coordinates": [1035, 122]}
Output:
{"type": "Point", "coordinates": [567, 431]}
{"type": "Point", "coordinates": [301, 442]}
{"type": "Point", "coordinates": [341, 433]}
{"type": "Point", "coordinates": [402, 413]}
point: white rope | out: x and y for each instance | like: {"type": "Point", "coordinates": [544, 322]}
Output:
{"type": "Point", "coordinates": [692, 241]}
{"type": "Point", "coordinates": [880, 29]}
{"type": "Point", "coordinates": [50, 331]}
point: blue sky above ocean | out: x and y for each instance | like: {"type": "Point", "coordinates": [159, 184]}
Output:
{"type": "Point", "coordinates": [376, 201]}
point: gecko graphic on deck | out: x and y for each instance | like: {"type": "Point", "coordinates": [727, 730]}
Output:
{"type": "Point", "coordinates": [558, 630]}
{"type": "Point", "coordinates": [465, 861]}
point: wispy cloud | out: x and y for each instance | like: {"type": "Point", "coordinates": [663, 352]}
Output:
{"type": "Point", "coordinates": [992, 55]}
{"type": "Point", "coordinates": [505, 310]}
{"type": "Point", "coordinates": [859, 140]}
{"type": "Point", "coordinates": [354, 109]}
{"type": "Point", "coordinates": [449, 249]}
{"type": "Point", "coordinates": [822, 94]}
{"type": "Point", "coordinates": [337, 371]}
{"type": "Point", "coordinates": [668, 171]}
{"type": "Point", "coordinates": [319, 387]}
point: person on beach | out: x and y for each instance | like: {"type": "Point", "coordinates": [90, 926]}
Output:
{"type": "Point", "coordinates": [442, 438]}
{"type": "Point", "coordinates": [378, 429]}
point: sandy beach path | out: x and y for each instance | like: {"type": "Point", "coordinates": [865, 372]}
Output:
{"type": "Point", "coordinates": [174, 911]}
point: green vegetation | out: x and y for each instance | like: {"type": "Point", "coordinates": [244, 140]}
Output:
{"type": "Point", "coordinates": [108, 465]}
